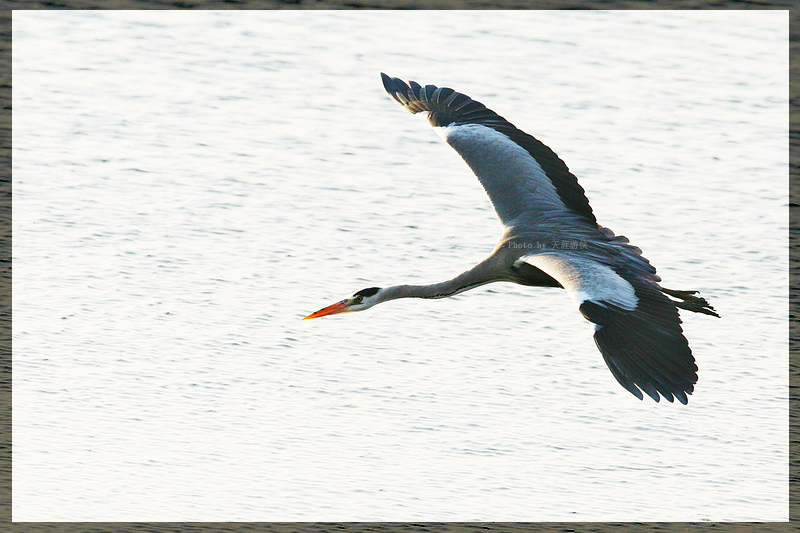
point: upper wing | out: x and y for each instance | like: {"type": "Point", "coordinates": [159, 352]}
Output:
{"type": "Point", "coordinates": [519, 173]}
{"type": "Point", "coordinates": [637, 328]}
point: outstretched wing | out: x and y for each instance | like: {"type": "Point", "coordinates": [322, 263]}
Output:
{"type": "Point", "coordinates": [519, 173]}
{"type": "Point", "coordinates": [637, 328]}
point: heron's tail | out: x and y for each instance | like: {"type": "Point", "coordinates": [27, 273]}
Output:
{"type": "Point", "coordinates": [687, 300]}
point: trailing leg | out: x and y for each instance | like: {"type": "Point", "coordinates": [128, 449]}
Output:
{"type": "Point", "coordinates": [687, 300]}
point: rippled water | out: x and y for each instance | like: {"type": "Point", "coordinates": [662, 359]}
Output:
{"type": "Point", "coordinates": [187, 186]}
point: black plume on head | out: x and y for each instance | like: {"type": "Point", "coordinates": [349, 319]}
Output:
{"type": "Point", "coordinates": [367, 292]}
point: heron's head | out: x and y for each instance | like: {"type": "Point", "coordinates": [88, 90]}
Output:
{"type": "Point", "coordinates": [363, 299]}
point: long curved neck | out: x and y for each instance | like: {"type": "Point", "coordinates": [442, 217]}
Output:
{"type": "Point", "coordinates": [482, 273]}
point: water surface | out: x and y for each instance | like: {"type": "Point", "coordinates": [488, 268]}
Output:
{"type": "Point", "coordinates": [187, 186]}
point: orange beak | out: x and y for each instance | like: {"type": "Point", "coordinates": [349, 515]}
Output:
{"type": "Point", "coordinates": [338, 307]}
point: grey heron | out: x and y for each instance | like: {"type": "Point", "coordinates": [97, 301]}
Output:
{"type": "Point", "coordinates": [552, 239]}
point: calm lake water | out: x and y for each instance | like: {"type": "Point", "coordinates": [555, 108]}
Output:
{"type": "Point", "coordinates": [188, 186]}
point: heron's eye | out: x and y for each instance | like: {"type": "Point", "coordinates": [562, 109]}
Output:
{"type": "Point", "coordinates": [357, 299]}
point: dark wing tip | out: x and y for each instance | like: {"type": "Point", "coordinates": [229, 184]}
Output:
{"type": "Point", "coordinates": [387, 82]}
{"type": "Point", "coordinates": [408, 95]}
{"type": "Point", "coordinates": [644, 348]}
{"type": "Point", "coordinates": [443, 104]}
{"type": "Point", "coordinates": [396, 89]}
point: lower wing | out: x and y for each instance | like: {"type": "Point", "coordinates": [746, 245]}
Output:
{"type": "Point", "coordinates": [637, 328]}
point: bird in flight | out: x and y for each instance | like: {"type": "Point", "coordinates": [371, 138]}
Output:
{"type": "Point", "coordinates": [552, 239]}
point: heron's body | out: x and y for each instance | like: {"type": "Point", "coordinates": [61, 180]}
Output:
{"type": "Point", "coordinates": [551, 239]}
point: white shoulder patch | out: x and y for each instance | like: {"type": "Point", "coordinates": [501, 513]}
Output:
{"type": "Point", "coordinates": [585, 279]}
{"type": "Point", "coordinates": [442, 131]}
